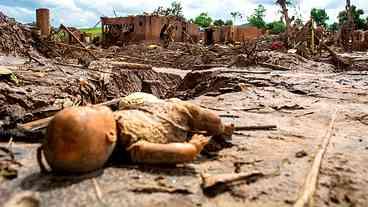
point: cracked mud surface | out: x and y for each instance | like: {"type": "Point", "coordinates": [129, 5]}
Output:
{"type": "Point", "coordinates": [300, 103]}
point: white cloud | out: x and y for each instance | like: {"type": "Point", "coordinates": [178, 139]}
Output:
{"type": "Point", "coordinates": [85, 13]}
{"type": "Point", "coordinates": [15, 11]}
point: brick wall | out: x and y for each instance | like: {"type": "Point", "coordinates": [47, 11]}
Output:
{"type": "Point", "coordinates": [147, 29]}
{"type": "Point", "coordinates": [360, 41]}
{"type": "Point", "coordinates": [366, 39]}
{"type": "Point", "coordinates": [247, 33]}
{"type": "Point", "coordinates": [233, 34]}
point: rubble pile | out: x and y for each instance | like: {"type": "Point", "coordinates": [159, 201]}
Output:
{"type": "Point", "coordinates": [181, 55]}
{"type": "Point", "coordinates": [198, 57]}
{"type": "Point", "coordinates": [14, 37]}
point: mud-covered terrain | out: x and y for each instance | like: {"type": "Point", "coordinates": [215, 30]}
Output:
{"type": "Point", "coordinates": [41, 91]}
{"type": "Point", "coordinates": [300, 102]}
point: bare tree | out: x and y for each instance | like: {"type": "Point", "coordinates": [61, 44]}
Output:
{"type": "Point", "coordinates": [285, 13]}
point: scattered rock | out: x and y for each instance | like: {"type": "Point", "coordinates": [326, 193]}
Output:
{"type": "Point", "coordinates": [301, 154]}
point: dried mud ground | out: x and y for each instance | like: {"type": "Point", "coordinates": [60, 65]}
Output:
{"type": "Point", "coordinates": [300, 103]}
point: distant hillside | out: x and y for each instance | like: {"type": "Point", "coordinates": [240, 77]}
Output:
{"type": "Point", "coordinates": [97, 31]}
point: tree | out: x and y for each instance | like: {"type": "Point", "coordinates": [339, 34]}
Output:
{"type": "Point", "coordinates": [298, 21]}
{"type": "Point", "coordinates": [235, 15]}
{"type": "Point", "coordinates": [285, 13]}
{"type": "Point", "coordinates": [276, 27]}
{"type": "Point", "coordinates": [229, 22]}
{"type": "Point", "coordinates": [176, 9]}
{"type": "Point", "coordinates": [319, 16]}
{"type": "Point", "coordinates": [334, 27]}
{"type": "Point", "coordinates": [257, 19]}
{"type": "Point", "coordinates": [356, 15]}
{"type": "Point", "coordinates": [219, 23]}
{"type": "Point", "coordinates": [203, 20]}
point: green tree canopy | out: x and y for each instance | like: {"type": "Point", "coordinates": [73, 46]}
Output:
{"type": "Point", "coordinates": [257, 18]}
{"type": "Point", "coordinates": [356, 13]}
{"type": "Point", "coordinates": [203, 20]}
{"type": "Point", "coordinates": [276, 27]}
{"type": "Point", "coordinates": [320, 16]}
{"type": "Point", "coordinates": [219, 23]}
{"type": "Point", "coordinates": [176, 9]}
{"type": "Point", "coordinates": [334, 27]}
{"type": "Point", "coordinates": [229, 22]}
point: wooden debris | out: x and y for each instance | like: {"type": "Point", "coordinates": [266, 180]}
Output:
{"type": "Point", "coordinates": [211, 181]}
{"type": "Point", "coordinates": [133, 66]}
{"type": "Point", "coordinates": [161, 189]}
{"type": "Point", "coordinates": [310, 185]}
{"type": "Point", "coordinates": [250, 128]}
{"type": "Point", "coordinates": [36, 125]}
{"type": "Point", "coordinates": [338, 61]}
{"type": "Point", "coordinates": [98, 191]}
{"type": "Point", "coordinates": [31, 57]}
{"type": "Point", "coordinates": [13, 37]}
{"type": "Point", "coordinates": [79, 42]}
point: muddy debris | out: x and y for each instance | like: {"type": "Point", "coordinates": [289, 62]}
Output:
{"type": "Point", "coordinates": [279, 91]}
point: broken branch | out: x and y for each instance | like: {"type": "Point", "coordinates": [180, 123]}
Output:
{"type": "Point", "coordinates": [250, 128]}
{"type": "Point", "coordinates": [312, 178]}
{"type": "Point", "coordinates": [211, 181]}
{"type": "Point", "coordinates": [79, 42]}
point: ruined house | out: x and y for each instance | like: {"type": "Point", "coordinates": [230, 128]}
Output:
{"type": "Point", "coordinates": [360, 40]}
{"type": "Point", "coordinates": [145, 28]}
{"type": "Point", "coordinates": [231, 34]}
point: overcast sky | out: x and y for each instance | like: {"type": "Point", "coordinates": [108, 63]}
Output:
{"type": "Point", "coordinates": [86, 13]}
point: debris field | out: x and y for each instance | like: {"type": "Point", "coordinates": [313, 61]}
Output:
{"type": "Point", "coordinates": [311, 113]}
